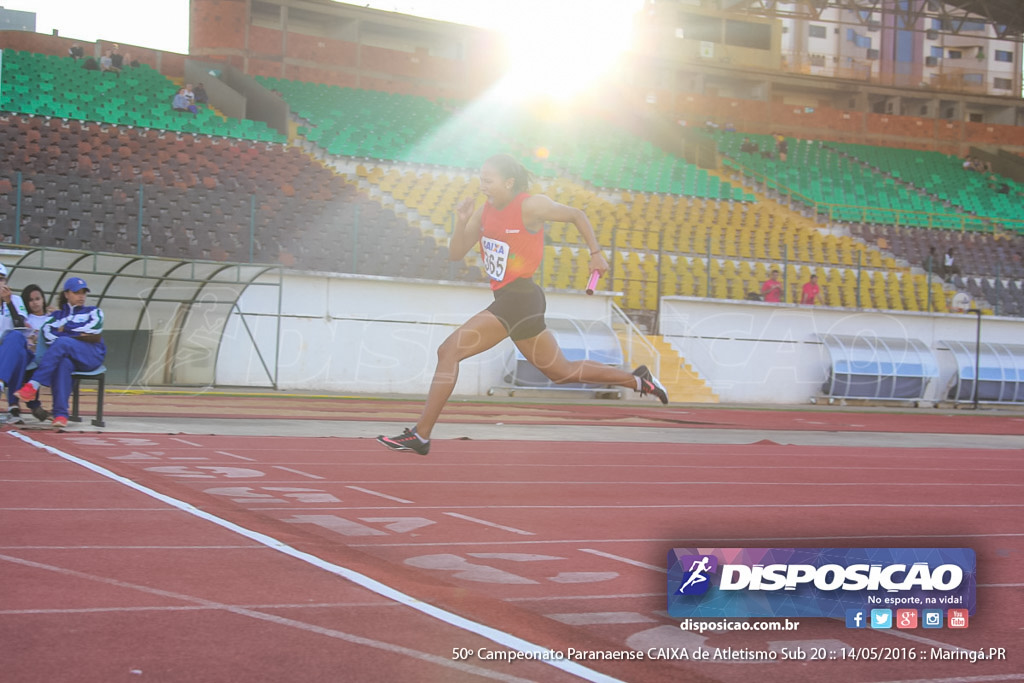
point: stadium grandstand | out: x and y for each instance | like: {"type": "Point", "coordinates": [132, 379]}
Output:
{"type": "Point", "coordinates": [858, 144]}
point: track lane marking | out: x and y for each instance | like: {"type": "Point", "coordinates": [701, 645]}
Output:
{"type": "Point", "coordinates": [272, 618]}
{"type": "Point", "coordinates": [378, 493]}
{"type": "Point", "coordinates": [490, 524]}
{"type": "Point", "coordinates": [495, 635]}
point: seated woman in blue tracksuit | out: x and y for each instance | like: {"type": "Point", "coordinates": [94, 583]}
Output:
{"type": "Point", "coordinates": [74, 343]}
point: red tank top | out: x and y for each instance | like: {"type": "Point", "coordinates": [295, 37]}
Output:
{"type": "Point", "coordinates": [509, 251]}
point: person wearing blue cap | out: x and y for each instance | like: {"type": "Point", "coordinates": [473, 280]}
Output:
{"type": "Point", "coordinates": [74, 343]}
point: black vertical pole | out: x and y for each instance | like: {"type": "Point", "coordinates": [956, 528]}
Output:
{"type": "Point", "coordinates": [977, 355]}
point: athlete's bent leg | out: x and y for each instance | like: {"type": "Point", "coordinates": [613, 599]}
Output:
{"type": "Point", "coordinates": [544, 354]}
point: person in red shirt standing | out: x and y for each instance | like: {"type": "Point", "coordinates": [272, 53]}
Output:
{"type": "Point", "coordinates": [811, 292]}
{"type": "Point", "coordinates": [509, 228]}
{"type": "Point", "coordinates": [771, 290]}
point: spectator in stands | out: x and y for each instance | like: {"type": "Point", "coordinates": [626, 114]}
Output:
{"type": "Point", "coordinates": [116, 58]}
{"type": "Point", "coordinates": [932, 263]}
{"type": "Point", "coordinates": [107, 64]}
{"type": "Point", "coordinates": [35, 304]}
{"type": "Point", "coordinates": [75, 51]}
{"type": "Point", "coordinates": [998, 185]}
{"type": "Point", "coordinates": [200, 94]}
{"type": "Point", "coordinates": [810, 295]}
{"type": "Point", "coordinates": [91, 64]}
{"type": "Point", "coordinates": [189, 93]}
{"type": "Point", "coordinates": [74, 339]}
{"type": "Point", "coordinates": [949, 265]}
{"type": "Point", "coordinates": [781, 147]}
{"type": "Point", "coordinates": [748, 146]}
{"type": "Point", "coordinates": [771, 289]}
{"type": "Point", "coordinates": [14, 353]}
{"type": "Point", "coordinates": [133, 63]}
{"type": "Point", "coordinates": [181, 102]}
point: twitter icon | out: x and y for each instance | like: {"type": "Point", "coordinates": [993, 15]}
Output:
{"type": "Point", "coordinates": [881, 618]}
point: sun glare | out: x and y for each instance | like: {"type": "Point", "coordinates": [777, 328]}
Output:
{"type": "Point", "coordinates": [565, 47]}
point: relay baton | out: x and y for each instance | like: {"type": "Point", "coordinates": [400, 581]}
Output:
{"type": "Point", "coordinates": [592, 285]}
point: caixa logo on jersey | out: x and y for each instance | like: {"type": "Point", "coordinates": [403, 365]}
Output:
{"type": "Point", "coordinates": [816, 582]}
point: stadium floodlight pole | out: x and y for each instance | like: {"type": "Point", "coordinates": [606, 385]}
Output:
{"type": "Point", "coordinates": [977, 353]}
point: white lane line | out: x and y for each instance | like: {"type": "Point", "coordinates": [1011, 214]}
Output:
{"type": "Point", "coordinates": [588, 598]}
{"type": "Point", "coordinates": [661, 483]}
{"type": "Point", "coordinates": [272, 618]}
{"type": "Point", "coordinates": [696, 543]}
{"type": "Point", "coordinates": [619, 558]}
{"type": "Point", "coordinates": [381, 495]}
{"type": "Point", "coordinates": [187, 443]}
{"type": "Point", "coordinates": [1001, 585]}
{"type": "Point", "coordinates": [232, 455]}
{"type": "Point", "coordinates": [491, 524]}
{"type": "Point", "coordinates": [133, 547]}
{"type": "Point", "coordinates": [965, 679]}
{"type": "Point", "coordinates": [667, 506]}
{"type": "Point", "coordinates": [193, 608]}
{"type": "Point", "coordinates": [84, 510]}
{"type": "Point", "coordinates": [591, 618]}
{"type": "Point", "coordinates": [495, 635]}
{"type": "Point", "coordinates": [304, 474]}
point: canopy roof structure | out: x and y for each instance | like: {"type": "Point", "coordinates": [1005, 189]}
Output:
{"type": "Point", "coordinates": [1007, 16]}
{"type": "Point", "coordinates": [164, 319]}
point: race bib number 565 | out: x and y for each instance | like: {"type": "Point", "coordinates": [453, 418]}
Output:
{"type": "Point", "coordinates": [495, 255]}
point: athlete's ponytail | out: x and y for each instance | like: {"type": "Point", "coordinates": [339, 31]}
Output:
{"type": "Point", "coordinates": [508, 167]}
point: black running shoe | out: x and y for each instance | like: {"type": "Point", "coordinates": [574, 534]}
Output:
{"type": "Point", "coordinates": [408, 441]}
{"type": "Point", "coordinates": [40, 413]}
{"type": "Point", "coordinates": [649, 384]}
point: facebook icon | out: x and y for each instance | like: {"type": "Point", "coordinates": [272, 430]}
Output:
{"type": "Point", "coordinates": [856, 618]}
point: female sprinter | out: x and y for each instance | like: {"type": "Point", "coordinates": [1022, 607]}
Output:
{"type": "Point", "coordinates": [510, 230]}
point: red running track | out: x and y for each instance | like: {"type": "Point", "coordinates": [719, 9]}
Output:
{"type": "Point", "coordinates": [560, 545]}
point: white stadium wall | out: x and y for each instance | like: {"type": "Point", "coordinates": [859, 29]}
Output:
{"type": "Point", "coordinates": [367, 335]}
{"type": "Point", "coordinates": [753, 352]}
{"type": "Point", "coordinates": [363, 334]}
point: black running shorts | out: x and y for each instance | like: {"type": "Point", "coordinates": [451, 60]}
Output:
{"type": "Point", "coordinates": [520, 306]}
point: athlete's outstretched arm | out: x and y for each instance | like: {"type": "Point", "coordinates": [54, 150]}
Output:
{"type": "Point", "coordinates": [467, 230]}
{"type": "Point", "coordinates": [540, 208]}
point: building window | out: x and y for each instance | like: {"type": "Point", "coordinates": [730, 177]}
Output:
{"type": "Point", "coordinates": [955, 54]}
{"type": "Point", "coordinates": [976, 118]}
{"type": "Point", "coordinates": [1004, 56]}
{"type": "Point", "coordinates": [937, 52]}
{"type": "Point", "coordinates": [956, 25]}
{"type": "Point", "coordinates": [817, 31]}
{"type": "Point", "coordinates": [974, 79]}
{"type": "Point", "coordinates": [857, 39]}
{"type": "Point", "coordinates": [1002, 83]}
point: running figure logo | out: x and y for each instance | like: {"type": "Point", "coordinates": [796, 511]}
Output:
{"type": "Point", "coordinates": [696, 581]}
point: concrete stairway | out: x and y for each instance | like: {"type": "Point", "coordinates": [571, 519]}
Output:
{"type": "Point", "coordinates": [681, 381]}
